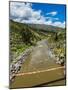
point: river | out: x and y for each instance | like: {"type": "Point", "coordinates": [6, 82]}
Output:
{"type": "Point", "coordinates": [41, 58]}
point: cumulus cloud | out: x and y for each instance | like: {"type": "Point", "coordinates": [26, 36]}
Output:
{"type": "Point", "coordinates": [59, 24]}
{"type": "Point", "coordinates": [52, 13]}
{"type": "Point", "coordinates": [24, 13]}
{"type": "Point", "coordinates": [20, 10]}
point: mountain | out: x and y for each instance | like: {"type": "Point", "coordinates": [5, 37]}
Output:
{"type": "Point", "coordinates": [47, 28]}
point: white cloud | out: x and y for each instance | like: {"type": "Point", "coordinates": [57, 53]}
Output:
{"type": "Point", "coordinates": [59, 24]}
{"type": "Point", "coordinates": [23, 12]}
{"type": "Point", "coordinates": [52, 13]}
{"type": "Point", "coordinates": [20, 10]}
{"type": "Point", "coordinates": [36, 14]}
{"type": "Point", "coordinates": [49, 22]}
{"type": "Point", "coordinates": [56, 18]}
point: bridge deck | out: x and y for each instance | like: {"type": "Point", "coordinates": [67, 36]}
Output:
{"type": "Point", "coordinates": [30, 79]}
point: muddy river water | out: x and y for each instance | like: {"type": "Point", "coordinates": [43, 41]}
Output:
{"type": "Point", "coordinates": [41, 58]}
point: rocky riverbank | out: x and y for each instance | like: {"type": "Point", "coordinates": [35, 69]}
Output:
{"type": "Point", "coordinates": [16, 65]}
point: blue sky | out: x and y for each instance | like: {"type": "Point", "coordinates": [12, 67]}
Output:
{"type": "Point", "coordinates": [46, 8]}
{"type": "Point", "coordinates": [38, 13]}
